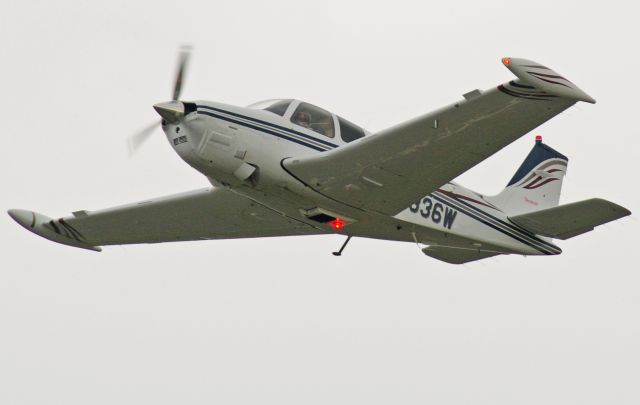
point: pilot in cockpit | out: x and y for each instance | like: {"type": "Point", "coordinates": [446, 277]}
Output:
{"type": "Point", "coordinates": [302, 118]}
{"type": "Point", "coordinates": [315, 119]}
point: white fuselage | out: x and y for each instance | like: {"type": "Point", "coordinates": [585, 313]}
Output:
{"type": "Point", "coordinates": [242, 149]}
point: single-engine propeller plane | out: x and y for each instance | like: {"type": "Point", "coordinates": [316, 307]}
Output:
{"type": "Point", "coordinates": [286, 167]}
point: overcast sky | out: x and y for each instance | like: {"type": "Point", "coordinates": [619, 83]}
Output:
{"type": "Point", "coordinates": [281, 321]}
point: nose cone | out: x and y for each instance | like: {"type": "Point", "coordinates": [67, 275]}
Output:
{"type": "Point", "coordinates": [171, 111]}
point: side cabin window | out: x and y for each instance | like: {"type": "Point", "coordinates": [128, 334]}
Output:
{"type": "Point", "coordinates": [314, 118]}
{"type": "Point", "coordinates": [350, 131]}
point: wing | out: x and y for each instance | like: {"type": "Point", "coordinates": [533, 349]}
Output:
{"type": "Point", "coordinates": [196, 215]}
{"type": "Point", "coordinates": [388, 171]}
{"type": "Point", "coordinates": [569, 220]}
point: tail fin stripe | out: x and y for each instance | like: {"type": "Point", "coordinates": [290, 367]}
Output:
{"type": "Point", "coordinates": [537, 179]}
{"type": "Point", "coordinates": [531, 186]}
{"type": "Point", "coordinates": [535, 182]}
{"type": "Point", "coordinates": [542, 166]}
{"type": "Point", "coordinates": [531, 176]}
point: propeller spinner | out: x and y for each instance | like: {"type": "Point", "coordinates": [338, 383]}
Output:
{"type": "Point", "coordinates": [171, 111]}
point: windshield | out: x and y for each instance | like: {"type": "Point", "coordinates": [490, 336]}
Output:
{"type": "Point", "coordinates": [275, 106]}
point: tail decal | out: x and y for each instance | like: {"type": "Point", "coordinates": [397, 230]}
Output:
{"type": "Point", "coordinates": [536, 184]}
{"type": "Point", "coordinates": [542, 158]}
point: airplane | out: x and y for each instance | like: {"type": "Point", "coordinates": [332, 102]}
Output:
{"type": "Point", "coordinates": [286, 167]}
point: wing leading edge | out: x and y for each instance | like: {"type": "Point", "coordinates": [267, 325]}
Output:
{"type": "Point", "coordinates": [389, 170]}
{"type": "Point", "coordinates": [196, 215]}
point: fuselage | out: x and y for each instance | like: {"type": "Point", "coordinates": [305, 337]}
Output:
{"type": "Point", "coordinates": [242, 149]}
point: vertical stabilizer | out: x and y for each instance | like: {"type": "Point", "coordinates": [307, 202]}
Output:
{"type": "Point", "coordinates": [536, 184]}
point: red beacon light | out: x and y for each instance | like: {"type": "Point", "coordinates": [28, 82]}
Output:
{"type": "Point", "coordinates": [337, 224]}
{"type": "Point", "coordinates": [538, 138]}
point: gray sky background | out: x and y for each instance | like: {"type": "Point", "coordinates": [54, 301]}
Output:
{"type": "Point", "coordinates": [281, 321]}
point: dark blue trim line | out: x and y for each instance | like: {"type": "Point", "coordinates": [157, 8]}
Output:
{"type": "Point", "coordinates": [509, 232]}
{"type": "Point", "coordinates": [523, 231]}
{"type": "Point", "coordinates": [489, 224]}
{"type": "Point", "coordinates": [270, 125]}
{"type": "Point", "coordinates": [512, 227]}
{"type": "Point", "coordinates": [264, 130]}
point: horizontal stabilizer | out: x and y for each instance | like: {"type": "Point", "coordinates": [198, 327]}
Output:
{"type": "Point", "coordinates": [456, 255]}
{"type": "Point", "coordinates": [569, 220]}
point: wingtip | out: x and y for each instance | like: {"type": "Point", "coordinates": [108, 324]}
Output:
{"type": "Point", "coordinates": [545, 79]}
{"type": "Point", "coordinates": [36, 223]}
{"type": "Point", "coordinates": [24, 218]}
{"type": "Point", "coordinates": [617, 208]}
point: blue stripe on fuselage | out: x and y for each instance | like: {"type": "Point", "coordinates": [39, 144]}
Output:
{"type": "Point", "coordinates": [288, 134]}
{"type": "Point", "coordinates": [512, 227]}
{"type": "Point", "coordinates": [503, 227]}
{"type": "Point", "coordinates": [287, 131]}
{"type": "Point", "coordinates": [263, 130]}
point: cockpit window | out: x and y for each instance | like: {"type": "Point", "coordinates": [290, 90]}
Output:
{"type": "Point", "coordinates": [275, 106]}
{"type": "Point", "coordinates": [314, 118]}
{"type": "Point", "coordinates": [349, 131]}
{"type": "Point", "coordinates": [279, 107]}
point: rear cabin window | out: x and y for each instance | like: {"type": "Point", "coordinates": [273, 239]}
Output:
{"type": "Point", "coordinates": [349, 131]}
{"type": "Point", "coordinates": [314, 118]}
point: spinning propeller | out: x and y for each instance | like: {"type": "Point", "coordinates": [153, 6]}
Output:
{"type": "Point", "coordinates": [170, 111]}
